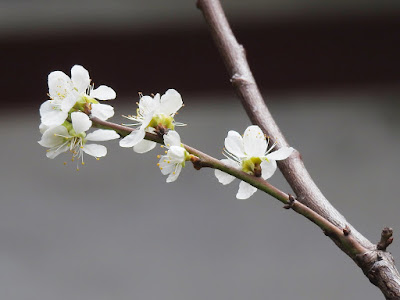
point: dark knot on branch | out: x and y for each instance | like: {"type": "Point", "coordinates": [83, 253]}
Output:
{"type": "Point", "coordinates": [346, 230]}
{"type": "Point", "coordinates": [198, 163]}
{"type": "Point", "coordinates": [290, 203]}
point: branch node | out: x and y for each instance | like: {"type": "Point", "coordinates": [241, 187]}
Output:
{"type": "Point", "coordinates": [346, 230]}
{"type": "Point", "coordinates": [290, 203]}
{"type": "Point", "coordinates": [240, 79]}
{"type": "Point", "coordinates": [199, 163]}
{"type": "Point", "coordinates": [386, 239]}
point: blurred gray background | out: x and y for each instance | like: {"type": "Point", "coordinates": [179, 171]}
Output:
{"type": "Point", "coordinates": [117, 230]}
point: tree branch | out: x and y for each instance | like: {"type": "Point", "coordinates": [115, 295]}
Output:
{"type": "Point", "coordinates": [203, 160]}
{"type": "Point", "coordinates": [376, 264]}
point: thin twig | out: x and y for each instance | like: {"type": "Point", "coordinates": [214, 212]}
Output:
{"type": "Point", "coordinates": [386, 239]}
{"type": "Point", "coordinates": [379, 268]}
{"type": "Point", "coordinates": [202, 160]}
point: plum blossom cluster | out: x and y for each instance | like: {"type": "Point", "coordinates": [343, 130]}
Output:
{"type": "Point", "coordinates": [66, 120]}
{"type": "Point", "coordinates": [154, 115]}
{"type": "Point", "coordinates": [250, 154]}
{"type": "Point", "coordinates": [75, 93]}
{"type": "Point", "coordinates": [63, 121]}
{"type": "Point", "coordinates": [71, 136]}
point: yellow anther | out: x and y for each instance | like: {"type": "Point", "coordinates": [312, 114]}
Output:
{"type": "Point", "coordinates": [165, 152]}
{"type": "Point", "coordinates": [168, 145]}
{"type": "Point", "coordinates": [162, 146]}
{"type": "Point", "coordinates": [158, 156]}
{"type": "Point", "coordinates": [83, 163]}
{"type": "Point", "coordinates": [158, 164]}
{"type": "Point", "coordinates": [164, 160]}
{"type": "Point", "coordinates": [161, 168]}
{"type": "Point", "coordinates": [168, 161]}
{"type": "Point", "coordinates": [97, 158]}
{"type": "Point", "coordinates": [65, 163]}
{"type": "Point", "coordinates": [72, 159]}
{"type": "Point", "coordinates": [173, 173]}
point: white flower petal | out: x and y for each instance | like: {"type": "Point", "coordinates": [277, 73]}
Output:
{"type": "Point", "coordinates": [245, 191]}
{"type": "Point", "coordinates": [43, 128]}
{"type": "Point", "coordinates": [80, 122]}
{"type": "Point", "coordinates": [52, 153]}
{"type": "Point", "coordinates": [146, 120]}
{"type": "Point", "coordinates": [132, 139]}
{"type": "Point", "coordinates": [149, 104]}
{"type": "Point", "coordinates": [165, 165]}
{"type": "Point", "coordinates": [223, 177]}
{"type": "Point", "coordinates": [170, 102]}
{"type": "Point", "coordinates": [280, 154]}
{"type": "Point", "coordinates": [54, 136]}
{"type": "Point", "coordinates": [80, 78]}
{"type": "Point", "coordinates": [176, 154]}
{"type": "Point", "coordinates": [95, 150]}
{"type": "Point", "coordinates": [268, 169]}
{"type": "Point", "coordinates": [51, 115]}
{"type": "Point", "coordinates": [144, 146]}
{"type": "Point", "coordinates": [172, 138]}
{"type": "Point", "coordinates": [102, 111]}
{"type": "Point", "coordinates": [103, 92]}
{"type": "Point", "coordinates": [234, 144]}
{"type": "Point", "coordinates": [254, 141]}
{"type": "Point", "coordinates": [60, 85]}
{"type": "Point", "coordinates": [174, 174]}
{"type": "Point", "coordinates": [102, 135]}
{"type": "Point", "coordinates": [69, 101]}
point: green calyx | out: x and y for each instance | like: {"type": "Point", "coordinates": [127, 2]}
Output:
{"type": "Point", "coordinates": [187, 157]}
{"type": "Point", "coordinates": [251, 165]}
{"type": "Point", "coordinates": [80, 105]}
{"type": "Point", "coordinates": [67, 125]}
{"type": "Point", "coordinates": [162, 120]}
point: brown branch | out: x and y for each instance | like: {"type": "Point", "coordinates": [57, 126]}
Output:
{"type": "Point", "coordinates": [202, 160]}
{"type": "Point", "coordinates": [385, 274]}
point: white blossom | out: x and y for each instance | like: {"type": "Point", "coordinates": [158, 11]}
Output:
{"type": "Point", "coordinates": [250, 154]}
{"type": "Point", "coordinates": [174, 160]}
{"type": "Point", "coordinates": [66, 93]}
{"type": "Point", "coordinates": [72, 137]}
{"type": "Point", "coordinates": [153, 113]}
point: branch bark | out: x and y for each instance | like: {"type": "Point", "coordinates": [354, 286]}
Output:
{"type": "Point", "coordinates": [377, 265]}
